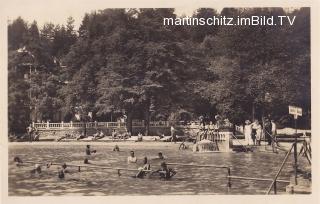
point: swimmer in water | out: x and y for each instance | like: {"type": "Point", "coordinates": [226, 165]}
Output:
{"type": "Point", "coordinates": [143, 170]}
{"type": "Point", "coordinates": [63, 171]}
{"type": "Point", "coordinates": [160, 156]}
{"type": "Point", "coordinates": [37, 169]}
{"type": "Point", "coordinates": [89, 151]}
{"type": "Point", "coordinates": [116, 148]}
{"type": "Point", "coordinates": [165, 172]}
{"type": "Point", "coordinates": [132, 158]}
{"type": "Point", "coordinates": [17, 161]}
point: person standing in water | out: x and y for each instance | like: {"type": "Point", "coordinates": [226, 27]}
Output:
{"type": "Point", "coordinates": [132, 158]}
{"type": "Point", "coordinates": [88, 150]}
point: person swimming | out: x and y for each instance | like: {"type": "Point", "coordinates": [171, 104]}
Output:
{"type": "Point", "coordinates": [132, 158]}
{"type": "Point", "coordinates": [165, 172]}
{"type": "Point", "coordinates": [18, 161]}
{"type": "Point", "coordinates": [63, 171]}
{"type": "Point", "coordinates": [89, 151]}
{"type": "Point", "coordinates": [160, 156]}
{"type": "Point", "coordinates": [37, 169]}
{"type": "Point", "coordinates": [142, 170]}
{"type": "Point", "coordinates": [116, 148]}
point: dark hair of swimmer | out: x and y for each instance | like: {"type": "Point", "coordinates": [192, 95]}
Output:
{"type": "Point", "coordinates": [145, 160]}
{"type": "Point", "coordinates": [86, 161]}
{"type": "Point", "coordinates": [132, 153]}
{"type": "Point", "coordinates": [61, 174]}
{"type": "Point", "coordinates": [88, 146]}
{"type": "Point", "coordinates": [17, 159]}
{"type": "Point", "coordinates": [38, 168]}
{"type": "Point", "coordinates": [160, 155]}
{"type": "Point", "coordinates": [64, 165]}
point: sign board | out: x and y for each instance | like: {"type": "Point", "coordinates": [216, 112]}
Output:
{"type": "Point", "coordinates": [296, 111]}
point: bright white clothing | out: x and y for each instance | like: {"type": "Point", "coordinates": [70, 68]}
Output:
{"type": "Point", "coordinates": [132, 159]}
{"type": "Point", "coordinates": [259, 132]}
{"type": "Point", "coordinates": [247, 134]}
{"type": "Point", "coordinates": [273, 128]}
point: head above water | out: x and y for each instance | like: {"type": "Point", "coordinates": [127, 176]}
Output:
{"type": "Point", "coordinates": [88, 146]}
{"type": "Point", "coordinates": [160, 155]}
{"type": "Point", "coordinates": [132, 153]}
{"type": "Point", "coordinates": [145, 160]}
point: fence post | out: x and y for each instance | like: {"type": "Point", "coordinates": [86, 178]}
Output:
{"type": "Point", "coordinates": [71, 125]}
{"type": "Point", "coordinates": [47, 124]}
{"type": "Point", "coordinates": [275, 187]}
{"type": "Point", "coordinates": [61, 125]}
{"type": "Point", "coordinates": [227, 140]}
{"type": "Point", "coordinates": [32, 124]}
{"type": "Point", "coordinates": [229, 179]}
{"type": "Point", "coordinates": [295, 154]}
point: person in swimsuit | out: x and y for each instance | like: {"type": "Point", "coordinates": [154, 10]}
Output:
{"type": "Point", "coordinates": [89, 151]}
{"type": "Point", "coordinates": [143, 170]}
{"type": "Point", "coordinates": [132, 158]}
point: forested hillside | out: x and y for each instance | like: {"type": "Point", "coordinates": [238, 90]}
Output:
{"type": "Point", "coordinates": [126, 61]}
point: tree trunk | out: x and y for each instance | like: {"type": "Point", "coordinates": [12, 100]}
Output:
{"type": "Point", "coordinates": [147, 121]}
{"type": "Point", "coordinates": [129, 122]}
{"type": "Point", "coordinates": [253, 112]}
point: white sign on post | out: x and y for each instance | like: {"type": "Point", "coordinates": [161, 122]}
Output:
{"type": "Point", "coordinates": [296, 111]}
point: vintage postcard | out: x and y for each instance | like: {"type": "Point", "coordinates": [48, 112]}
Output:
{"type": "Point", "coordinates": [124, 102]}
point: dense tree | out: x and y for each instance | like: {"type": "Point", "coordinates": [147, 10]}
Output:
{"type": "Point", "coordinates": [125, 61]}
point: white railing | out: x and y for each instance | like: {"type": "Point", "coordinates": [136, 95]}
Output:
{"type": "Point", "coordinates": [62, 125]}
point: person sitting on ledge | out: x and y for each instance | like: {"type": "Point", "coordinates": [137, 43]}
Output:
{"type": "Point", "coordinates": [114, 134]}
{"type": "Point", "coordinates": [80, 136]}
{"type": "Point", "coordinates": [140, 137]}
{"type": "Point", "coordinates": [143, 170]}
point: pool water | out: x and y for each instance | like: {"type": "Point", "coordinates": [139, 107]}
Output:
{"type": "Point", "coordinates": [188, 180]}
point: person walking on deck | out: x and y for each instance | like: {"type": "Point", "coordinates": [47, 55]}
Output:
{"type": "Point", "coordinates": [248, 132]}
{"type": "Point", "coordinates": [258, 131]}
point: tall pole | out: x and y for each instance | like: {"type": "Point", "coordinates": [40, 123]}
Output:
{"type": "Point", "coordinates": [30, 96]}
{"type": "Point", "coordinates": [295, 151]}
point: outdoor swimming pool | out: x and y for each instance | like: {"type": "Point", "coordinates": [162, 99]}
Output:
{"type": "Point", "coordinates": [188, 180]}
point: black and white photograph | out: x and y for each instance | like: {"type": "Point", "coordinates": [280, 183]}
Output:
{"type": "Point", "coordinates": [159, 101]}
